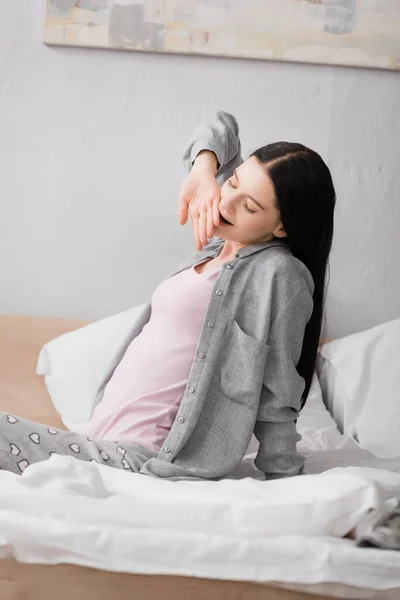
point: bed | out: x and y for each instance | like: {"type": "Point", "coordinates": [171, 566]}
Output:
{"type": "Point", "coordinates": [24, 393]}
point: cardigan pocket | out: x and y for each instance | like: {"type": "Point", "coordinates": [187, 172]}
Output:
{"type": "Point", "coordinates": [242, 365]}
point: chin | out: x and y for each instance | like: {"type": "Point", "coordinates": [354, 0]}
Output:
{"type": "Point", "coordinates": [226, 237]}
{"type": "Point", "coordinates": [225, 230]}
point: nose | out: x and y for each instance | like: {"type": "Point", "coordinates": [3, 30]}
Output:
{"type": "Point", "coordinates": [227, 206]}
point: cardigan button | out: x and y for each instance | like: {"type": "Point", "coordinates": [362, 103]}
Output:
{"type": "Point", "coordinates": [181, 419]}
{"type": "Point", "coordinates": [210, 324]}
{"type": "Point", "coordinates": [167, 449]}
{"type": "Point", "coordinates": [202, 355]}
{"type": "Point", "coordinates": [192, 389]}
{"type": "Point", "coordinates": [229, 266]}
{"type": "Point", "coordinates": [218, 292]}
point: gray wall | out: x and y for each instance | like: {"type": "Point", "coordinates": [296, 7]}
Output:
{"type": "Point", "coordinates": [90, 147]}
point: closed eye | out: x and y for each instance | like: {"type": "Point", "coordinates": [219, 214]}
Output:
{"type": "Point", "coordinates": [247, 209]}
{"type": "Point", "coordinates": [248, 195]}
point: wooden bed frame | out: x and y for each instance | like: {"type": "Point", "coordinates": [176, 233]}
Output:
{"type": "Point", "coordinates": [24, 393]}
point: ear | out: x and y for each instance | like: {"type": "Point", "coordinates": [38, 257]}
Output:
{"type": "Point", "coordinates": [279, 231]}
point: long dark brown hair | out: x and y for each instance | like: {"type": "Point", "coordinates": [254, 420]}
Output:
{"type": "Point", "coordinates": [306, 200]}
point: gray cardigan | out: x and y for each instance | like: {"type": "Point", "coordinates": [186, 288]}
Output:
{"type": "Point", "coordinates": [243, 377]}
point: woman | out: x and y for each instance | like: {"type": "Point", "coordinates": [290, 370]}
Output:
{"type": "Point", "coordinates": [227, 345]}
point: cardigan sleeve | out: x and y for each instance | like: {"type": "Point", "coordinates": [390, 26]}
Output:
{"type": "Point", "coordinates": [282, 389]}
{"type": "Point", "coordinates": [220, 134]}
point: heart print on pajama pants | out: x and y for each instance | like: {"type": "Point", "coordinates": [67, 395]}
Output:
{"type": "Point", "coordinates": [24, 442]}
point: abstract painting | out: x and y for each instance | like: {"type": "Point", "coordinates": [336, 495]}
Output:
{"type": "Point", "coordinates": [346, 32]}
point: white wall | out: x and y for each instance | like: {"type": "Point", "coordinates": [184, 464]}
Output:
{"type": "Point", "coordinates": [90, 147]}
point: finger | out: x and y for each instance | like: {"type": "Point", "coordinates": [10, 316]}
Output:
{"type": "Point", "coordinates": [210, 224]}
{"type": "Point", "coordinates": [195, 225]}
{"type": "Point", "coordinates": [215, 209]}
{"type": "Point", "coordinates": [183, 209]}
{"type": "Point", "coordinates": [203, 228]}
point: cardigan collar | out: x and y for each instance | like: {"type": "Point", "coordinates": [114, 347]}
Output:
{"type": "Point", "coordinates": [246, 250]}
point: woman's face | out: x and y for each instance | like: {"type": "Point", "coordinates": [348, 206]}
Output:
{"type": "Point", "coordinates": [248, 202]}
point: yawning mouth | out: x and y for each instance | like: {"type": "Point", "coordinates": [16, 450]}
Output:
{"type": "Point", "coordinates": [224, 220]}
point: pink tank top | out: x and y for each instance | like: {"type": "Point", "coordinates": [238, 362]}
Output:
{"type": "Point", "coordinates": [142, 398]}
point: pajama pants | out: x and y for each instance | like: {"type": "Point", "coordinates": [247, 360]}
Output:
{"type": "Point", "coordinates": [24, 442]}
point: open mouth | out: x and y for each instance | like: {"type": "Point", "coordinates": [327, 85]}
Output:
{"type": "Point", "coordinates": [223, 220]}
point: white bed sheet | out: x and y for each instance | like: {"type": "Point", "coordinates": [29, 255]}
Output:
{"type": "Point", "coordinates": [65, 510]}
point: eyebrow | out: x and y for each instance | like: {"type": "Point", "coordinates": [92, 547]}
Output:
{"type": "Point", "coordinates": [251, 197]}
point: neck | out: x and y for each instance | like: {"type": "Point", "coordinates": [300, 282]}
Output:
{"type": "Point", "coordinates": [229, 250]}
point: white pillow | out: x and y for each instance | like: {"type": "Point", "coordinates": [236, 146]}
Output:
{"type": "Point", "coordinates": [360, 380]}
{"type": "Point", "coordinates": [75, 363]}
